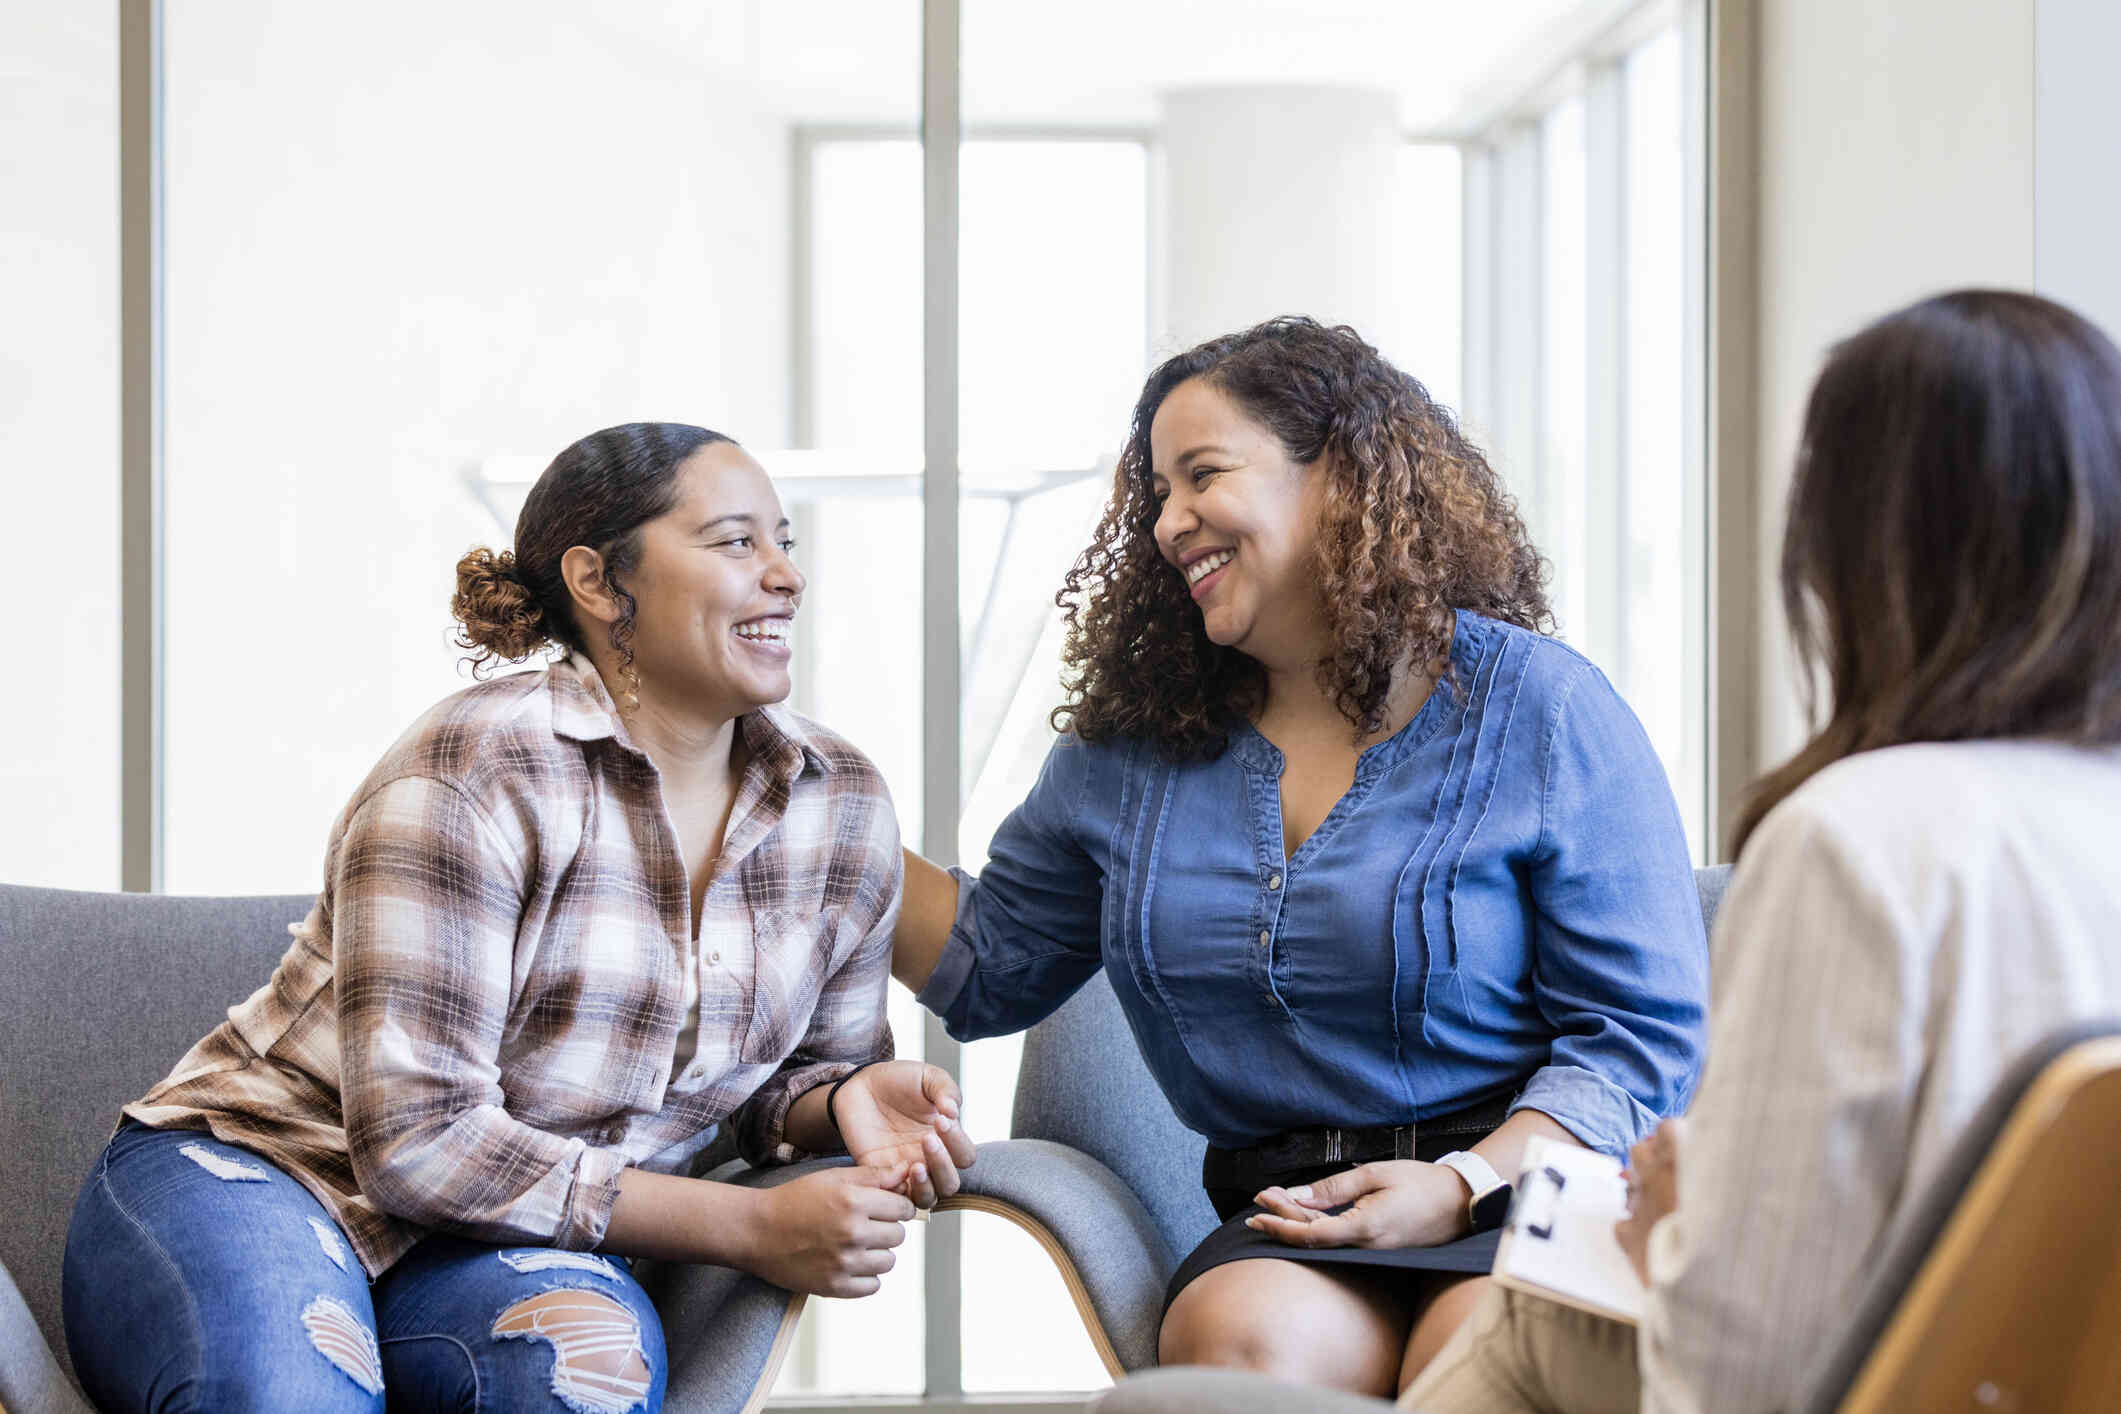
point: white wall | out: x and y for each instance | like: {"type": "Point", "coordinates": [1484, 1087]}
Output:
{"type": "Point", "coordinates": [1279, 201]}
{"type": "Point", "coordinates": [388, 260]}
{"type": "Point", "coordinates": [59, 443]}
{"type": "Point", "coordinates": [1896, 160]}
{"type": "Point", "coordinates": [2077, 158]}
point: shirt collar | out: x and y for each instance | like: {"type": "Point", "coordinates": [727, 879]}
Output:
{"type": "Point", "coordinates": [582, 710]}
{"type": "Point", "coordinates": [1469, 636]}
{"type": "Point", "coordinates": [778, 736]}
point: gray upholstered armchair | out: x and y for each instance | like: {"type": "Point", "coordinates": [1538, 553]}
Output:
{"type": "Point", "coordinates": [101, 991]}
{"type": "Point", "coordinates": [99, 994]}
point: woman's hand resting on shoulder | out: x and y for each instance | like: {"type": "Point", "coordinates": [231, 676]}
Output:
{"type": "Point", "coordinates": [904, 1112]}
{"type": "Point", "coordinates": [1396, 1203]}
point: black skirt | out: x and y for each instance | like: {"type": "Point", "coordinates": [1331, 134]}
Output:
{"type": "Point", "coordinates": [1234, 1242]}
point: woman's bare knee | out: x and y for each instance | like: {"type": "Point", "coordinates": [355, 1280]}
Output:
{"type": "Point", "coordinates": [1290, 1320]}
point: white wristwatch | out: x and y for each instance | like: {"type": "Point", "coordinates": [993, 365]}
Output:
{"type": "Point", "coordinates": [1490, 1202]}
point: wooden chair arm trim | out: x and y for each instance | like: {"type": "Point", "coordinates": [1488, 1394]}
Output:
{"type": "Point", "coordinates": [1903, 1345]}
{"type": "Point", "coordinates": [1043, 1235]}
{"type": "Point", "coordinates": [775, 1358]}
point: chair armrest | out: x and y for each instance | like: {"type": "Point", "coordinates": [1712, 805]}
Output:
{"type": "Point", "coordinates": [1096, 1230]}
{"type": "Point", "coordinates": [727, 1332]}
{"type": "Point", "coordinates": [1192, 1390]}
{"type": "Point", "coordinates": [30, 1379]}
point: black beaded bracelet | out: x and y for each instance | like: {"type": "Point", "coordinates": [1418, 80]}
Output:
{"type": "Point", "coordinates": [833, 1094]}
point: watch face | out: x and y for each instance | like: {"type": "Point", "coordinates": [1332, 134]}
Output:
{"type": "Point", "coordinates": [1491, 1207]}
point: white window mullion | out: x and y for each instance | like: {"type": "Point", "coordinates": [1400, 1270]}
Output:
{"type": "Point", "coordinates": [1517, 418]}
{"type": "Point", "coordinates": [1606, 565]}
{"type": "Point", "coordinates": [1698, 507]}
{"type": "Point", "coordinates": [1480, 272]}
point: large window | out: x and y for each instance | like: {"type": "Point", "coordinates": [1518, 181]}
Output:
{"type": "Point", "coordinates": [1057, 250]}
{"type": "Point", "coordinates": [1662, 639]}
{"type": "Point", "coordinates": [393, 270]}
{"type": "Point", "coordinates": [59, 442]}
{"type": "Point", "coordinates": [1576, 377]}
{"type": "Point", "coordinates": [401, 275]}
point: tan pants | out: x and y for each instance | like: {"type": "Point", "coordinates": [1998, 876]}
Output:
{"type": "Point", "coordinates": [1518, 1352]}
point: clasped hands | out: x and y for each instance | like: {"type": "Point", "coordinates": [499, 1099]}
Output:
{"type": "Point", "coordinates": [903, 1114]}
{"type": "Point", "coordinates": [832, 1233]}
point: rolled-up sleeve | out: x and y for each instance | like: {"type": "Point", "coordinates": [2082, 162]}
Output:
{"type": "Point", "coordinates": [427, 899]}
{"type": "Point", "coordinates": [1620, 959]}
{"type": "Point", "coordinates": [1026, 933]}
{"type": "Point", "coordinates": [849, 1027]}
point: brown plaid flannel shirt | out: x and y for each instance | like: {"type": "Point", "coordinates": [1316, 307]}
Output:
{"type": "Point", "coordinates": [475, 1026]}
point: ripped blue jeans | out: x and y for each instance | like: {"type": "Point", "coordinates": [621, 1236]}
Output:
{"type": "Point", "coordinates": [200, 1277]}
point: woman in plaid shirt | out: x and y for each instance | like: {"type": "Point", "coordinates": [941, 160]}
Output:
{"type": "Point", "coordinates": [573, 923]}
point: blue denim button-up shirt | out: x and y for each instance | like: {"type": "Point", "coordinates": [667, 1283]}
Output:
{"type": "Point", "coordinates": [1502, 904]}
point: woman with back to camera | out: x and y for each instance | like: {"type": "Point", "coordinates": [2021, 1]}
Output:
{"type": "Point", "coordinates": [1923, 892]}
{"type": "Point", "coordinates": [1386, 880]}
{"type": "Point", "coordinates": [573, 922]}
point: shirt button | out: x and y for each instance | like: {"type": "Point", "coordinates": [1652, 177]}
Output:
{"type": "Point", "coordinates": [714, 957]}
{"type": "Point", "coordinates": [1275, 882]}
{"type": "Point", "coordinates": [1265, 937]}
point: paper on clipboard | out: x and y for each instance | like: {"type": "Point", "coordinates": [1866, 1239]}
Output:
{"type": "Point", "coordinates": [1559, 1241]}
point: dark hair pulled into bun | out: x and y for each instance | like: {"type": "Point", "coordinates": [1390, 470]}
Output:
{"type": "Point", "coordinates": [499, 619]}
{"type": "Point", "coordinates": [599, 493]}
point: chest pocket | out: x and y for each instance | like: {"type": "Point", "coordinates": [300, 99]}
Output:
{"type": "Point", "coordinates": [792, 954]}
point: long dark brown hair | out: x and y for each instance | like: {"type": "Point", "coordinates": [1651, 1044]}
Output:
{"type": "Point", "coordinates": [1953, 556]}
{"type": "Point", "coordinates": [1414, 525]}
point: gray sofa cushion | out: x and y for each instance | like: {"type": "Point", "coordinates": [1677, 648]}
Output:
{"type": "Point", "coordinates": [99, 996]}
{"type": "Point", "coordinates": [31, 1381]}
{"type": "Point", "coordinates": [1710, 884]}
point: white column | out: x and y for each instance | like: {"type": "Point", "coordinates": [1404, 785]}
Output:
{"type": "Point", "coordinates": [1279, 200]}
{"type": "Point", "coordinates": [1896, 159]}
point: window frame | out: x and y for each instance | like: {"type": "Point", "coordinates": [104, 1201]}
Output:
{"type": "Point", "coordinates": [1506, 364]}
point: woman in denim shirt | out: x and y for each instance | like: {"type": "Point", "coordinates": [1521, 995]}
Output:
{"type": "Point", "coordinates": [1381, 874]}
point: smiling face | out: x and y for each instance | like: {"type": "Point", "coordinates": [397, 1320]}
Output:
{"type": "Point", "coordinates": [1239, 520]}
{"type": "Point", "coordinates": [714, 590]}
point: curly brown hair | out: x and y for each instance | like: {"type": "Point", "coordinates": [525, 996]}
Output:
{"type": "Point", "coordinates": [1415, 524]}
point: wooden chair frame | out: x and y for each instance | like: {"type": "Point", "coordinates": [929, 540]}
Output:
{"type": "Point", "coordinates": [2018, 1305]}
{"type": "Point", "coordinates": [784, 1339]}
